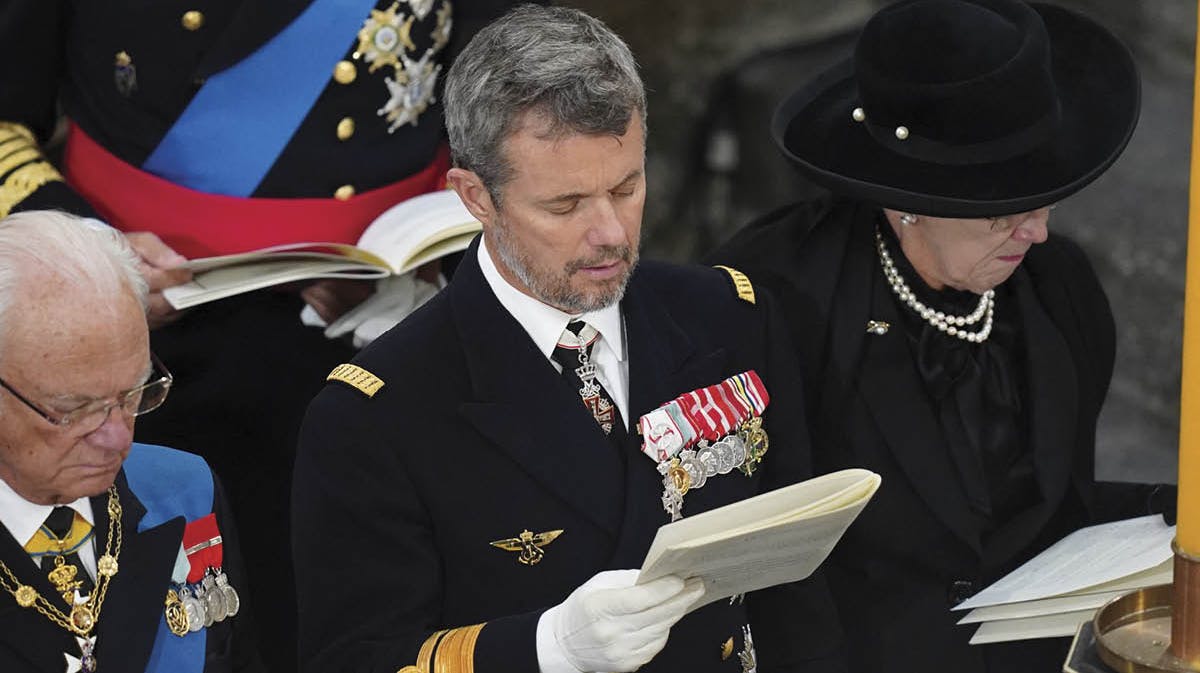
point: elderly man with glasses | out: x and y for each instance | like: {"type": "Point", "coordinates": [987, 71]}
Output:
{"type": "Point", "coordinates": [112, 554]}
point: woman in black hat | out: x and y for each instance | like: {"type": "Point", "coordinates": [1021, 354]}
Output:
{"type": "Point", "coordinates": [949, 342]}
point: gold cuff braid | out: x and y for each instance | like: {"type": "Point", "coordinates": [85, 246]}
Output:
{"type": "Point", "coordinates": [456, 651]}
{"type": "Point", "coordinates": [23, 169]}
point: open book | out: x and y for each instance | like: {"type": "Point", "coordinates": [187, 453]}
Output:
{"type": "Point", "coordinates": [404, 237]}
{"type": "Point", "coordinates": [773, 538]}
{"type": "Point", "coordinates": [1061, 588]}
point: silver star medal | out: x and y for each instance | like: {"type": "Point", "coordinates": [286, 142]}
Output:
{"type": "Point", "coordinates": [384, 37]}
{"type": "Point", "coordinates": [421, 8]}
{"type": "Point", "coordinates": [747, 656]}
{"type": "Point", "coordinates": [672, 497]}
{"type": "Point", "coordinates": [86, 661]}
{"type": "Point", "coordinates": [441, 33]}
{"type": "Point", "coordinates": [411, 91]}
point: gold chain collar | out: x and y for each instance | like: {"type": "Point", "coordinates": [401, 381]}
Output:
{"type": "Point", "coordinates": [85, 615]}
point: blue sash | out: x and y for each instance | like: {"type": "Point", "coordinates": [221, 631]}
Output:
{"type": "Point", "coordinates": [241, 119]}
{"type": "Point", "coordinates": [171, 483]}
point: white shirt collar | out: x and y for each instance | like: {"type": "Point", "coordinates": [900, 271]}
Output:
{"type": "Point", "coordinates": [23, 518]}
{"type": "Point", "coordinates": [543, 322]}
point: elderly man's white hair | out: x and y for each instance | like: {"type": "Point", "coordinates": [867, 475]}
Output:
{"type": "Point", "coordinates": [83, 252]}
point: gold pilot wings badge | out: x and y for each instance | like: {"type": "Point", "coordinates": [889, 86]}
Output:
{"type": "Point", "coordinates": [529, 545]}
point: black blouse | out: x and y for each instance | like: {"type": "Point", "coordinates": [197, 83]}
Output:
{"type": "Point", "coordinates": [977, 392]}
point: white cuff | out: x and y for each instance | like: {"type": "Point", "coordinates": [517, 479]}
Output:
{"type": "Point", "coordinates": [551, 658]}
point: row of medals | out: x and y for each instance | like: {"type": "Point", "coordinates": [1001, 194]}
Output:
{"type": "Point", "coordinates": [191, 607]}
{"type": "Point", "coordinates": [692, 468]}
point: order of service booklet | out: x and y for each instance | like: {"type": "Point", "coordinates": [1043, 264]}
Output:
{"type": "Point", "coordinates": [773, 538]}
{"type": "Point", "coordinates": [1056, 591]}
{"type": "Point", "coordinates": [402, 238]}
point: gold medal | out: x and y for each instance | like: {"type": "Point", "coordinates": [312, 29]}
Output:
{"type": "Point", "coordinates": [107, 565]}
{"type": "Point", "coordinates": [82, 618]}
{"type": "Point", "coordinates": [679, 477]}
{"type": "Point", "coordinates": [176, 615]}
{"type": "Point", "coordinates": [26, 595]}
{"type": "Point", "coordinates": [63, 578]}
{"type": "Point", "coordinates": [756, 440]}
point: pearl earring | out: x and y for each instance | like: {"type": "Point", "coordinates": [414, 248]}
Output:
{"type": "Point", "coordinates": [908, 219]}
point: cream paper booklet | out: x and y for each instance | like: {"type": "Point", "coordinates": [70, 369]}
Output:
{"type": "Point", "coordinates": [769, 539]}
{"type": "Point", "coordinates": [1061, 588]}
{"type": "Point", "coordinates": [404, 237]}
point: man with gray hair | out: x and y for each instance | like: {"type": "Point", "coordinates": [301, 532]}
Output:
{"type": "Point", "coordinates": [112, 554]}
{"type": "Point", "coordinates": [470, 492]}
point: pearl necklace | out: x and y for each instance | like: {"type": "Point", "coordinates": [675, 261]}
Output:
{"type": "Point", "coordinates": [950, 324]}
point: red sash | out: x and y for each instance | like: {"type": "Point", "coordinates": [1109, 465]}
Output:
{"type": "Point", "coordinates": [197, 224]}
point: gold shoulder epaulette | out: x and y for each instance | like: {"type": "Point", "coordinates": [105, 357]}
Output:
{"type": "Point", "coordinates": [23, 168]}
{"type": "Point", "coordinates": [745, 289]}
{"type": "Point", "coordinates": [352, 375]}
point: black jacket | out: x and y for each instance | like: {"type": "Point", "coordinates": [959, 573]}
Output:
{"type": "Point", "coordinates": [916, 550]}
{"type": "Point", "coordinates": [475, 437]}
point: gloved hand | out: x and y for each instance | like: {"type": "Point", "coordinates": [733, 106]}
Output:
{"type": "Point", "coordinates": [609, 624]}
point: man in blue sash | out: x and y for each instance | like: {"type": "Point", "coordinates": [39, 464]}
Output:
{"type": "Point", "coordinates": [187, 124]}
{"type": "Point", "coordinates": [113, 555]}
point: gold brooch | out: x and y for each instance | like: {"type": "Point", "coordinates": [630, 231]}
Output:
{"type": "Point", "coordinates": [529, 545]}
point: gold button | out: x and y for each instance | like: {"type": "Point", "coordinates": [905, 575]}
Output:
{"type": "Point", "coordinates": [192, 20]}
{"type": "Point", "coordinates": [345, 128]}
{"type": "Point", "coordinates": [344, 192]}
{"type": "Point", "coordinates": [344, 72]}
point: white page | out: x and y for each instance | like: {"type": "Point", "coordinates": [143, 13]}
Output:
{"type": "Point", "coordinates": [770, 539]}
{"type": "Point", "coordinates": [411, 225]}
{"type": "Point", "coordinates": [1046, 606]}
{"type": "Point", "coordinates": [1084, 558]}
{"type": "Point", "coordinates": [1049, 626]}
{"type": "Point", "coordinates": [225, 282]}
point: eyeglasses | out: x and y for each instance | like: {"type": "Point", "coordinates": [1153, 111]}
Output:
{"type": "Point", "coordinates": [91, 415]}
{"type": "Point", "coordinates": [1010, 222]}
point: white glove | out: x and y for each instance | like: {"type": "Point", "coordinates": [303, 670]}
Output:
{"type": "Point", "coordinates": [395, 297]}
{"type": "Point", "coordinates": [609, 624]}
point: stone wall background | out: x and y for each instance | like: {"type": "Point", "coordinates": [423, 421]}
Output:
{"type": "Point", "coordinates": [715, 69]}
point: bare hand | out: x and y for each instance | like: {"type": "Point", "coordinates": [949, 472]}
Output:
{"type": "Point", "coordinates": [331, 298]}
{"type": "Point", "coordinates": [160, 267]}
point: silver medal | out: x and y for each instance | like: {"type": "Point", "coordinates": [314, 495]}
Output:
{"type": "Point", "coordinates": [215, 598]}
{"type": "Point", "coordinates": [739, 449]}
{"type": "Point", "coordinates": [695, 469]}
{"type": "Point", "coordinates": [195, 610]}
{"type": "Point", "coordinates": [724, 455]}
{"type": "Point", "coordinates": [232, 601]}
{"type": "Point", "coordinates": [707, 458]}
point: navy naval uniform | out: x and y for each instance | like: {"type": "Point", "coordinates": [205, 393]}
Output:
{"type": "Point", "coordinates": [920, 547]}
{"type": "Point", "coordinates": [160, 491]}
{"type": "Point", "coordinates": [124, 73]}
{"type": "Point", "coordinates": [469, 435]}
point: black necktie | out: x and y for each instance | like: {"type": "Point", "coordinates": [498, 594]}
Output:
{"type": "Point", "coordinates": [64, 579]}
{"type": "Point", "coordinates": [574, 353]}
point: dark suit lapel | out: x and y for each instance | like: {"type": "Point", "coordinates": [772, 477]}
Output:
{"type": "Point", "coordinates": [663, 364]}
{"type": "Point", "coordinates": [24, 631]}
{"type": "Point", "coordinates": [525, 408]}
{"type": "Point", "coordinates": [1053, 402]}
{"type": "Point", "coordinates": [134, 604]}
{"type": "Point", "coordinates": [891, 387]}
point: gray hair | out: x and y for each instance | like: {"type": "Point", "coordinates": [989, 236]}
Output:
{"type": "Point", "coordinates": [84, 252]}
{"type": "Point", "coordinates": [559, 63]}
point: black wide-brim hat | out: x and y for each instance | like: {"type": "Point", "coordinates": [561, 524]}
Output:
{"type": "Point", "coordinates": [966, 108]}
